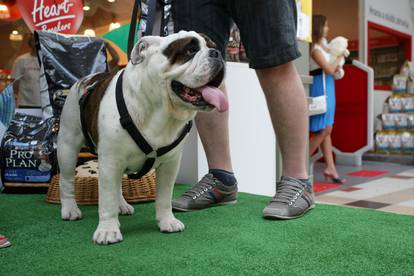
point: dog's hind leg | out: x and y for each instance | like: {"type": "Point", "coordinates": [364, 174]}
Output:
{"type": "Point", "coordinates": [70, 140]}
{"type": "Point", "coordinates": [110, 175]}
{"type": "Point", "coordinates": [69, 144]}
{"type": "Point", "coordinates": [166, 176]}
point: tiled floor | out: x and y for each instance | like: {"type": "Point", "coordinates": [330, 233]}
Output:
{"type": "Point", "coordinates": [381, 186]}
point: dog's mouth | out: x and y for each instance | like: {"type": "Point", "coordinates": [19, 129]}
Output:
{"type": "Point", "coordinates": [208, 95]}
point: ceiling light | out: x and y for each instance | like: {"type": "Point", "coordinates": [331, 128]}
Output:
{"type": "Point", "coordinates": [89, 32]}
{"type": "Point", "coordinates": [114, 25]}
{"type": "Point", "coordinates": [111, 1]}
{"type": "Point", "coordinates": [86, 8]}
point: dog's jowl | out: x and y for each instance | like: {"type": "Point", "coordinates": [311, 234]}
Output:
{"type": "Point", "coordinates": [167, 81]}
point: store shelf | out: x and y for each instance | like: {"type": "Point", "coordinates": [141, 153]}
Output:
{"type": "Point", "coordinates": [404, 159]}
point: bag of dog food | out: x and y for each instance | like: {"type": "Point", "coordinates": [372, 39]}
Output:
{"type": "Point", "coordinates": [394, 142]}
{"type": "Point", "coordinates": [381, 141]}
{"type": "Point", "coordinates": [407, 104]}
{"type": "Point", "coordinates": [388, 121]}
{"type": "Point", "coordinates": [27, 151]}
{"type": "Point", "coordinates": [407, 142]}
{"type": "Point", "coordinates": [64, 59]}
{"type": "Point", "coordinates": [400, 121]}
{"type": "Point", "coordinates": [399, 83]}
{"type": "Point", "coordinates": [395, 104]}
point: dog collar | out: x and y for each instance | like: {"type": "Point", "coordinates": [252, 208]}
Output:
{"type": "Point", "coordinates": [127, 123]}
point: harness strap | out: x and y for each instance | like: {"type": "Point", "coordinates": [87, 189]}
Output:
{"type": "Point", "coordinates": [88, 139]}
{"type": "Point", "coordinates": [127, 123]}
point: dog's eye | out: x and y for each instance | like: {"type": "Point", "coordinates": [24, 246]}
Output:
{"type": "Point", "coordinates": [192, 50]}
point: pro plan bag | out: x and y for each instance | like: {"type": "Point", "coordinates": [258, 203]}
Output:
{"type": "Point", "coordinates": [27, 150]}
{"type": "Point", "coordinates": [64, 59]}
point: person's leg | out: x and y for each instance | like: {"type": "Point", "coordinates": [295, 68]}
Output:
{"type": "Point", "coordinates": [331, 174]}
{"type": "Point", "coordinates": [316, 140]}
{"type": "Point", "coordinates": [219, 186]}
{"type": "Point", "coordinates": [287, 105]}
{"type": "Point", "coordinates": [213, 129]}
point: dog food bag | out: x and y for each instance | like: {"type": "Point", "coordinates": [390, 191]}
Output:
{"type": "Point", "coordinates": [395, 104]}
{"type": "Point", "coordinates": [394, 142]}
{"type": "Point", "coordinates": [382, 142]}
{"type": "Point", "coordinates": [400, 121]}
{"type": "Point", "coordinates": [399, 84]}
{"type": "Point", "coordinates": [407, 142]}
{"type": "Point", "coordinates": [388, 121]}
{"type": "Point", "coordinates": [410, 120]}
{"type": "Point", "coordinates": [27, 149]}
{"type": "Point", "coordinates": [407, 104]}
{"type": "Point", "coordinates": [64, 60]}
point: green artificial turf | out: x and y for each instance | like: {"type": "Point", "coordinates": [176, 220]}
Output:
{"type": "Point", "coordinates": [230, 240]}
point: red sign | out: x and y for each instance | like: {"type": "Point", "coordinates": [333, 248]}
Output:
{"type": "Point", "coordinates": [60, 16]}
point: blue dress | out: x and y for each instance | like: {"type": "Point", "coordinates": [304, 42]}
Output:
{"type": "Point", "coordinates": [322, 121]}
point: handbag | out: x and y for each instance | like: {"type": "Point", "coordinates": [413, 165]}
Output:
{"type": "Point", "coordinates": [318, 105]}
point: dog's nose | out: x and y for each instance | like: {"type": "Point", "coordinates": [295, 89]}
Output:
{"type": "Point", "coordinates": [213, 53]}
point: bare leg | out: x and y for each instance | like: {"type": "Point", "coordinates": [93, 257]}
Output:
{"type": "Point", "coordinates": [213, 128]}
{"type": "Point", "coordinates": [328, 155]}
{"type": "Point", "coordinates": [317, 139]}
{"type": "Point", "coordinates": [285, 96]}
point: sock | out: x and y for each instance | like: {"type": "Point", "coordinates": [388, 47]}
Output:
{"type": "Point", "coordinates": [226, 177]}
{"type": "Point", "coordinates": [307, 183]}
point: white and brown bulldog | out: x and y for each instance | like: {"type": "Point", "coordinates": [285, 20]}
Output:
{"type": "Point", "coordinates": [167, 81]}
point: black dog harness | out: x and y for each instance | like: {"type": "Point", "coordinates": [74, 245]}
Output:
{"type": "Point", "coordinates": [127, 123]}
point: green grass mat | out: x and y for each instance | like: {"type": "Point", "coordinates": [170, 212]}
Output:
{"type": "Point", "coordinates": [230, 240]}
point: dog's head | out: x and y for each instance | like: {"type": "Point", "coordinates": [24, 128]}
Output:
{"type": "Point", "coordinates": [185, 69]}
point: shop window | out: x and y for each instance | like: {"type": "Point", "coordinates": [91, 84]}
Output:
{"type": "Point", "coordinates": [387, 51]}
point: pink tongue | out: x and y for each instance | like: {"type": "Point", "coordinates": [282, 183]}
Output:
{"type": "Point", "coordinates": [215, 97]}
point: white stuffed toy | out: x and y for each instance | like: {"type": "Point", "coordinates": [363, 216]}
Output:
{"type": "Point", "coordinates": [338, 47]}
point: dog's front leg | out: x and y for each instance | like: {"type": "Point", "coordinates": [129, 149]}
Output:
{"type": "Point", "coordinates": [166, 176]}
{"type": "Point", "coordinates": [110, 175]}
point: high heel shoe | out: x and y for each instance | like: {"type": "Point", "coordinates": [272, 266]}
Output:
{"type": "Point", "coordinates": [329, 178]}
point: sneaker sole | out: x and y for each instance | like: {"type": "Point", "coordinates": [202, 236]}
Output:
{"type": "Point", "coordinates": [212, 205]}
{"type": "Point", "coordinates": [272, 216]}
{"type": "Point", "coordinates": [6, 244]}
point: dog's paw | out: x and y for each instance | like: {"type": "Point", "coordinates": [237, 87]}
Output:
{"type": "Point", "coordinates": [107, 236]}
{"type": "Point", "coordinates": [171, 225]}
{"type": "Point", "coordinates": [70, 211]}
{"type": "Point", "coordinates": [125, 209]}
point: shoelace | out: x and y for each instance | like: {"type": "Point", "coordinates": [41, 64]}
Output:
{"type": "Point", "coordinates": [287, 192]}
{"type": "Point", "coordinates": [205, 184]}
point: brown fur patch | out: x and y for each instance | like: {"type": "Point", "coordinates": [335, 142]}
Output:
{"type": "Point", "coordinates": [99, 84]}
{"type": "Point", "coordinates": [179, 50]}
{"type": "Point", "coordinates": [210, 43]}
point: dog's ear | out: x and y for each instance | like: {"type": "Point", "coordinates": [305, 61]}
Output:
{"type": "Point", "coordinates": [139, 51]}
{"type": "Point", "coordinates": [209, 41]}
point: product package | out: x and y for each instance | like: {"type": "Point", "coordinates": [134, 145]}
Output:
{"type": "Point", "coordinates": [65, 59]}
{"type": "Point", "coordinates": [27, 150]}
{"type": "Point", "coordinates": [388, 121]}
{"type": "Point", "coordinates": [407, 142]}
{"type": "Point", "coordinates": [407, 104]}
{"type": "Point", "coordinates": [399, 84]}
{"type": "Point", "coordinates": [400, 121]}
{"type": "Point", "coordinates": [395, 104]}
{"type": "Point", "coordinates": [394, 142]}
{"type": "Point", "coordinates": [382, 142]}
{"type": "Point", "coordinates": [410, 121]}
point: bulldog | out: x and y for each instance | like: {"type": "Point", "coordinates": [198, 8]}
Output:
{"type": "Point", "coordinates": [167, 81]}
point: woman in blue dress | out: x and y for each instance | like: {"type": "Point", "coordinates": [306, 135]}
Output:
{"type": "Point", "coordinates": [321, 69]}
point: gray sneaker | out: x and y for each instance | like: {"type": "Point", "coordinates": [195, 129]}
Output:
{"type": "Point", "coordinates": [292, 200]}
{"type": "Point", "coordinates": [208, 192]}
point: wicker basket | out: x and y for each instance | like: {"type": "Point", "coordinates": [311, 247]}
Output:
{"type": "Point", "coordinates": [86, 189]}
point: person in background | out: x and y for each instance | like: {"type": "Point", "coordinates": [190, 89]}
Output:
{"type": "Point", "coordinates": [26, 73]}
{"type": "Point", "coordinates": [321, 125]}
